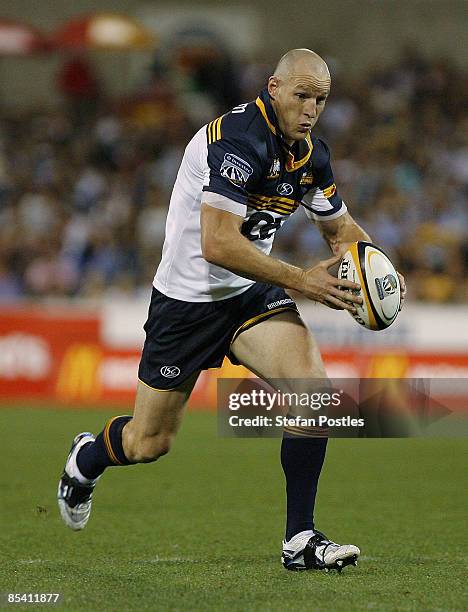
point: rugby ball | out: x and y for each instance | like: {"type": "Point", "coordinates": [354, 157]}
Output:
{"type": "Point", "coordinates": [366, 264]}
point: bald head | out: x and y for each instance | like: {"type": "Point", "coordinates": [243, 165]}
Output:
{"type": "Point", "coordinates": [301, 61]}
{"type": "Point", "coordinates": [298, 91]}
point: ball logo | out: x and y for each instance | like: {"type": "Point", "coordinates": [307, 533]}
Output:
{"type": "Point", "coordinates": [170, 371]}
{"type": "Point", "coordinates": [285, 189]}
{"type": "Point", "coordinates": [344, 268]}
{"type": "Point", "coordinates": [386, 285]}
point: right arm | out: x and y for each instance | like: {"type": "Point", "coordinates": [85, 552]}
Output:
{"type": "Point", "coordinates": [224, 245]}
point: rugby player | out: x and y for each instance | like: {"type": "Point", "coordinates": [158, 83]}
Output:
{"type": "Point", "coordinates": [217, 292]}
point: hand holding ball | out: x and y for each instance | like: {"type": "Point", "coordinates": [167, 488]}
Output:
{"type": "Point", "coordinates": [366, 264]}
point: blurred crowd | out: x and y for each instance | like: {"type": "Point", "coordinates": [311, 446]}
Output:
{"type": "Point", "coordinates": [84, 189]}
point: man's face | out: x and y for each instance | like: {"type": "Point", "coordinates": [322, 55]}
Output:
{"type": "Point", "coordinates": [298, 101]}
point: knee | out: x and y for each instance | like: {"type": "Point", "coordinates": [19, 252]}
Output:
{"type": "Point", "coordinates": [148, 449]}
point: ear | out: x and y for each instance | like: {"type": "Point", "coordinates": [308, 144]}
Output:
{"type": "Point", "coordinates": [273, 84]}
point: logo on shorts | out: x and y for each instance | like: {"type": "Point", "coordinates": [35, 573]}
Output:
{"type": "Point", "coordinates": [285, 189]}
{"type": "Point", "coordinates": [235, 169]}
{"type": "Point", "coordinates": [280, 303]}
{"type": "Point", "coordinates": [170, 371]}
{"type": "Point", "coordinates": [386, 285]}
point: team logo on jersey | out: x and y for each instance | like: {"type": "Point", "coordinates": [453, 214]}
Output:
{"type": "Point", "coordinates": [307, 178]}
{"type": "Point", "coordinates": [386, 285]}
{"type": "Point", "coordinates": [235, 169]}
{"type": "Point", "coordinates": [170, 371]}
{"type": "Point", "coordinates": [285, 189]}
{"type": "Point", "coordinates": [274, 169]}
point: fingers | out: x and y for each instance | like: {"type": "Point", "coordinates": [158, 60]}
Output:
{"type": "Point", "coordinates": [333, 306]}
{"type": "Point", "coordinates": [345, 296]}
{"type": "Point", "coordinates": [402, 289]}
{"type": "Point", "coordinates": [322, 287]}
{"type": "Point", "coordinates": [328, 263]}
{"type": "Point", "coordinates": [347, 284]}
{"type": "Point", "coordinates": [344, 299]}
{"type": "Point", "coordinates": [337, 304]}
{"type": "Point", "coordinates": [402, 286]}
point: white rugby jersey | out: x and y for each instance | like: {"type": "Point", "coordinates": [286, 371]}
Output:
{"type": "Point", "coordinates": [240, 163]}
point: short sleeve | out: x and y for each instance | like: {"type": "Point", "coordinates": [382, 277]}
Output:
{"type": "Point", "coordinates": [233, 167]}
{"type": "Point", "coordinates": [322, 201]}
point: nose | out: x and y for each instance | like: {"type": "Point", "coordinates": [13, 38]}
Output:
{"type": "Point", "coordinates": [310, 109]}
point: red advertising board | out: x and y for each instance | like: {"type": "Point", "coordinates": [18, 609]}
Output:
{"type": "Point", "coordinates": [34, 344]}
{"type": "Point", "coordinates": [59, 355]}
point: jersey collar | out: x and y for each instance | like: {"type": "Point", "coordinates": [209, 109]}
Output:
{"type": "Point", "coordinates": [264, 104]}
{"type": "Point", "coordinates": [301, 148]}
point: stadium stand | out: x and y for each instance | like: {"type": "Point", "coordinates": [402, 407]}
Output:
{"type": "Point", "coordinates": [83, 203]}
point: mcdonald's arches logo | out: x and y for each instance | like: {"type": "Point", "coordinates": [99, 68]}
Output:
{"type": "Point", "coordinates": [79, 373]}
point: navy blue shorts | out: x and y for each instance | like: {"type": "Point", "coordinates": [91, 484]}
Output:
{"type": "Point", "coordinates": [186, 337]}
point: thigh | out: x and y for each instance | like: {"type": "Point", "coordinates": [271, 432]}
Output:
{"type": "Point", "coordinates": [283, 352]}
{"type": "Point", "coordinates": [280, 347]}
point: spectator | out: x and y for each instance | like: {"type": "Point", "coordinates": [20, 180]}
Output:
{"type": "Point", "coordinates": [79, 85]}
{"type": "Point", "coordinates": [82, 212]}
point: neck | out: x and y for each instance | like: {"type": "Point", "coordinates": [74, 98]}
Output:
{"type": "Point", "coordinates": [278, 118]}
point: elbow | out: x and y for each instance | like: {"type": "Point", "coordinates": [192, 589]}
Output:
{"type": "Point", "coordinates": [211, 251]}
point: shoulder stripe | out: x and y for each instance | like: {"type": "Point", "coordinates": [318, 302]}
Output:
{"type": "Point", "coordinates": [214, 130]}
{"type": "Point", "coordinates": [210, 132]}
{"type": "Point", "coordinates": [218, 128]}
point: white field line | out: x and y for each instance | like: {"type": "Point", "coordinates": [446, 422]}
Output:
{"type": "Point", "coordinates": [153, 560]}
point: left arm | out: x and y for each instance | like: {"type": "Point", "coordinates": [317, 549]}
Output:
{"type": "Point", "coordinates": [323, 201]}
{"type": "Point", "coordinates": [339, 233]}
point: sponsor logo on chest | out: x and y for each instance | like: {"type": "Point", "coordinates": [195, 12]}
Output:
{"type": "Point", "coordinates": [285, 189]}
{"type": "Point", "coordinates": [235, 169]}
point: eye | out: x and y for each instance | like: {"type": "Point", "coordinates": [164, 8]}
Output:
{"type": "Point", "coordinates": [321, 100]}
{"type": "Point", "coordinates": [301, 96]}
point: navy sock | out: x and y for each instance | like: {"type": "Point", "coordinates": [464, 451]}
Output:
{"type": "Point", "coordinates": [302, 460]}
{"type": "Point", "coordinates": [107, 450]}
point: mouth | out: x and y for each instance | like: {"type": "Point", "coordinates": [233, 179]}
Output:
{"type": "Point", "coordinates": [304, 127]}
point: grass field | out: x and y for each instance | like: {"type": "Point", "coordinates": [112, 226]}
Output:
{"type": "Point", "coordinates": [202, 529]}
